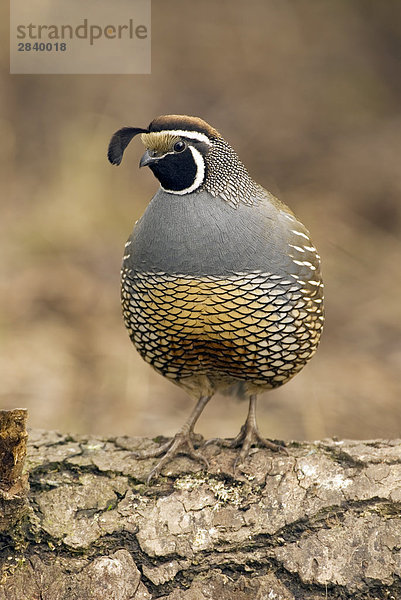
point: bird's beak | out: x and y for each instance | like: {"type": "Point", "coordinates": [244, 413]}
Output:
{"type": "Point", "coordinates": [147, 159]}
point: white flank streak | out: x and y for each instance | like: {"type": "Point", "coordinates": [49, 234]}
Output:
{"type": "Point", "coordinates": [297, 248]}
{"type": "Point", "coordinates": [200, 173]}
{"type": "Point", "coordinates": [304, 263]}
{"type": "Point", "coordinates": [127, 244]}
{"type": "Point", "coordinates": [300, 233]}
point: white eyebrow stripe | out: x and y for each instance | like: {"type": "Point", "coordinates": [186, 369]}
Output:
{"type": "Point", "coordinates": [193, 135]}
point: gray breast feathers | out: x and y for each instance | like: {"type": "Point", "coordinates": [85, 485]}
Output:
{"type": "Point", "coordinates": [199, 234]}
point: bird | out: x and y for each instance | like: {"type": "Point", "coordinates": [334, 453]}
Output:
{"type": "Point", "coordinates": [221, 285]}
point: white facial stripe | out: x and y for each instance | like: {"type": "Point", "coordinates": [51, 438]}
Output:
{"type": "Point", "coordinates": [191, 135]}
{"type": "Point", "coordinates": [163, 155]}
{"type": "Point", "coordinates": [200, 173]}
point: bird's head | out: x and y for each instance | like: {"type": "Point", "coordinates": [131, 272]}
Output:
{"type": "Point", "coordinates": [176, 150]}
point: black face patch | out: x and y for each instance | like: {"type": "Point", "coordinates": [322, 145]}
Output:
{"type": "Point", "coordinates": [176, 172]}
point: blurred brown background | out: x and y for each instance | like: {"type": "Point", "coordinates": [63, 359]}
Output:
{"type": "Point", "coordinates": [309, 94]}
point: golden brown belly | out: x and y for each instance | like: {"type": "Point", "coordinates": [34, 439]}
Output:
{"type": "Point", "coordinates": [257, 327]}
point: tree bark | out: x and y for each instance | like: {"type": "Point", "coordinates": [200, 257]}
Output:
{"type": "Point", "coordinates": [323, 522]}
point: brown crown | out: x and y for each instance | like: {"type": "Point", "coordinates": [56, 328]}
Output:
{"type": "Point", "coordinates": [166, 122]}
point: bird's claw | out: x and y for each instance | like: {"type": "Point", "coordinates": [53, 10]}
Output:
{"type": "Point", "coordinates": [181, 443]}
{"type": "Point", "coordinates": [247, 437]}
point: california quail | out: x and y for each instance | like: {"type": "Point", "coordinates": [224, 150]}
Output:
{"type": "Point", "coordinates": [221, 284]}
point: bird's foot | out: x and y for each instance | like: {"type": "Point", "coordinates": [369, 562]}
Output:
{"type": "Point", "coordinates": [181, 443]}
{"type": "Point", "coordinates": [248, 436]}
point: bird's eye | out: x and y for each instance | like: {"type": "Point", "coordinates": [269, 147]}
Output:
{"type": "Point", "coordinates": [179, 146]}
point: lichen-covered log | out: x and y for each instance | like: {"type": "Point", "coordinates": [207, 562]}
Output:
{"type": "Point", "coordinates": [323, 522]}
{"type": "Point", "coordinates": [13, 482]}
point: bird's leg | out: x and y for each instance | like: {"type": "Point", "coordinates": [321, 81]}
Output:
{"type": "Point", "coordinates": [248, 435]}
{"type": "Point", "coordinates": [180, 443]}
